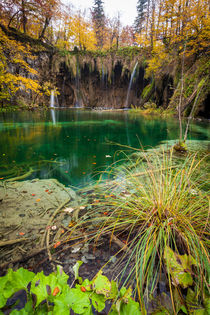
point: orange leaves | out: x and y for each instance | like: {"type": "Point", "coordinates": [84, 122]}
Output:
{"type": "Point", "coordinates": [56, 291]}
{"type": "Point", "coordinates": [21, 233]}
{"type": "Point", "coordinates": [37, 200]}
{"type": "Point", "coordinates": [83, 289]}
{"type": "Point", "coordinates": [57, 244]}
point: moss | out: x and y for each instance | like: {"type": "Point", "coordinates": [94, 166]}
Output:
{"type": "Point", "coordinates": [147, 89]}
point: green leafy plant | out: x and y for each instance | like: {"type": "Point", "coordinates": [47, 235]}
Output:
{"type": "Point", "coordinates": [52, 295]}
{"type": "Point", "coordinates": [160, 211]}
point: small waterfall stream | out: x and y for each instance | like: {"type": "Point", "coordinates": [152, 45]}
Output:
{"type": "Point", "coordinates": [52, 106]}
{"type": "Point", "coordinates": [130, 84]}
{"type": "Point", "coordinates": [52, 99]}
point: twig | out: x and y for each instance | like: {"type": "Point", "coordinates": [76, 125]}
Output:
{"type": "Point", "coordinates": [11, 242]}
{"type": "Point", "coordinates": [52, 218]}
{"type": "Point", "coordinates": [23, 258]}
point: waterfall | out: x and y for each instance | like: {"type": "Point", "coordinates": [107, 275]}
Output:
{"type": "Point", "coordinates": [52, 98]}
{"type": "Point", "coordinates": [78, 102]}
{"type": "Point", "coordinates": [102, 76]}
{"type": "Point", "coordinates": [130, 84]}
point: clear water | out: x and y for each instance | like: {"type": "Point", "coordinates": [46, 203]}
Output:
{"type": "Point", "coordinates": [78, 140]}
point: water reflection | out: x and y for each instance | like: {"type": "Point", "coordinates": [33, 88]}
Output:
{"type": "Point", "coordinates": [74, 146]}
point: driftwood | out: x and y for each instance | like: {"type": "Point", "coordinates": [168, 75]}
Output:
{"type": "Point", "coordinates": [31, 170]}
{"type": "Point", "coordinates": [11, 242]}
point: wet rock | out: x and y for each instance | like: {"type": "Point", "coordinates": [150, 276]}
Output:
{"type": "Point", "coordinates": [90, 256]}
{"type": "Point", "coordinates": [85, 261]}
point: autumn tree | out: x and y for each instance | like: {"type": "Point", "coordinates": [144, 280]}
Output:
{"type": "Point", "coordinates": [98, 20]}
{"type": "Point", "coordinates": [15, 72]}
{"type": "Point", "coordinates": [30, 16]}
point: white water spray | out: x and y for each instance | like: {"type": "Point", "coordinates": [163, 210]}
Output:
{"type": "Point", "coordinates": [130, 84]}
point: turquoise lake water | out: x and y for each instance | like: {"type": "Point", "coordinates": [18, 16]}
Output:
{"type": "Point", "coordinates": [72, 145]}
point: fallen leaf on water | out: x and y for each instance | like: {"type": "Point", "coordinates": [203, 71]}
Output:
{"type": "Point", "coordinates": [37, 200]}
{"type": "Point", "coordinates": [56, 291]}
{"type": "Point", "coordinates": [21, 233]}
{"type": "Point", "coordinates": [57, 244]}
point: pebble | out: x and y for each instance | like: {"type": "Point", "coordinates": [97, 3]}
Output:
{"type": "Point", "coordinates": [76, 249]}
{"type": "Point", "coordinates": [113, 259]}
{"type": "Point", "coordinates": [85, 261]}
{"type": "Point", "coordinates": [89, 256]}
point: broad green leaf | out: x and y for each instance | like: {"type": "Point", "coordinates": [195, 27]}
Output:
{"type": "Point", "coordinates": [87, 285]}
{"type": "Point", "coordinates": [123, 291]}
{"type": "Point", "coordinates": [74, 299]}
{"type": "Point", "coordinates": [101, 284]}
{"type": "Point", "coordinates": [179, 267]}
{"type": "Point", "coordinates": [39, 286]}
{"type": "Point", "coordinates": [79, 300]}
{"type": "Point", "coordinates": [27, 310]}
{"type": "Point", "coordinates": [131, 307]}
{"type": "Point", "coordinates": [98, 301]}
{"type": "Point", "coordinates": [17, 280]}
{"type": "Point", "coordinates": [114, 290]}
{"type": "Point", "coordinates": [76, 270]}
{"type": "Point", "coordinates": [62, 277]}
{"type": "Point", "coordinates": [62, 304]}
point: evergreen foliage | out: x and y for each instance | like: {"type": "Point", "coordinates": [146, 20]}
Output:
{"type": "Point", "coordinates": [138, 23]}
{"type": "Point", "coordinates": [98, 18]}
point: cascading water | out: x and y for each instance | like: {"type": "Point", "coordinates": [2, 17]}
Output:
{"type": "Point", "coordinates": [52, 106]}
{"type": "Point", "coordinates": [130, 84]}
{"type": "Point", "coordinates": [52, 99]}
{"type": "Point", "coordinates": [78, 102]}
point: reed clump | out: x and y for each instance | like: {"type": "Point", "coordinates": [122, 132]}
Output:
{"type": "Point", "coordinates": [159, 208]}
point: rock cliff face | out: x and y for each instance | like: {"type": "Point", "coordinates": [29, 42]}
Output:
{"type": "Point", "coordinates": [114, 79]}
{"type": "Point", "coordinates": [109, 82]}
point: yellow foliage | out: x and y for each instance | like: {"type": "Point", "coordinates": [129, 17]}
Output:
{"type": "Point", "coordinates": [13, 54]}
